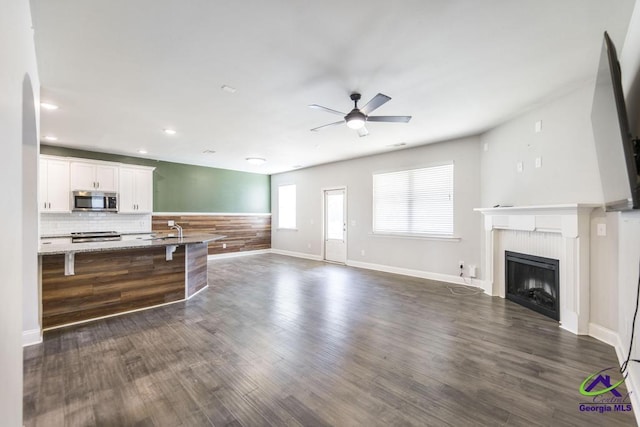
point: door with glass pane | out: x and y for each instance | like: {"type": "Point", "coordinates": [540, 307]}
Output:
{"type": "Point", "coordinates": [335, 225]}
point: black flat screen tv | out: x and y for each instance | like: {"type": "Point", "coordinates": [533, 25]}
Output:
{"type": "Point", "coordinates": [616, 149]}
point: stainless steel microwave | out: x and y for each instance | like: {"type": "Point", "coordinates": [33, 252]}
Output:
{"type": "Point", "coordinates": [94, 201]}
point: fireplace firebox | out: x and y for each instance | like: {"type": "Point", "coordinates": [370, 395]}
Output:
{"type": "Point", "coordinates": [533, 282]}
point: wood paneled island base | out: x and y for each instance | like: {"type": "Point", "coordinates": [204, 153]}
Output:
{"type": "Point", "coordinates": [107, 283]}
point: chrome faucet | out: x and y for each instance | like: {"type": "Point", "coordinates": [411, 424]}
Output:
{"type": "Point", "coordinates": [177, 227]}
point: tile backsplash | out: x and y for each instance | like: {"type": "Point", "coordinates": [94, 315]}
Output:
{"type": "Point", "coordinates": [52, 224]}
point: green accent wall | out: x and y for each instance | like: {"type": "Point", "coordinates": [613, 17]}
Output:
{"type": "Point", "coordinates": [179, 187]}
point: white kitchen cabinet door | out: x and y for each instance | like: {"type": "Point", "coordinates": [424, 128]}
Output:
{"type": "Point", "coordinates": [83, 176]}
{"type": "Point", "coordinates": [126, 194]}
{"type": "Point", "coordinates": [94, 177]}
{"type": "Point", "coordinates": [144, 190]}
{"type": "Point", "coordinates": [55, 195]}
{"type": "Point", "coordinates": [136, 190]}
{"type": "Point", "coordinates": [106, 178]}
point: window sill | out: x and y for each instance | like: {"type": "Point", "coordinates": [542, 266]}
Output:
{"type": "Point", "coordinates": [418, 236]}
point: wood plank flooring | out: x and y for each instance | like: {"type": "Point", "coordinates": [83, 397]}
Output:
{"type": "Point", "coordinates": [282, 341]}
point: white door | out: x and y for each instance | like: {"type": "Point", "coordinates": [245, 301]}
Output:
{"type": "Point", "coordinates": [335, 226]}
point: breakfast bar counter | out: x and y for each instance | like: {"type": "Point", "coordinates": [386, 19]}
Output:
{"type": "Point", "coordinates": [86, 281]}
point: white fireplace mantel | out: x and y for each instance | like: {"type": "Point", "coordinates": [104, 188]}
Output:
{"type": "Point", "coordinates": [554, 231]}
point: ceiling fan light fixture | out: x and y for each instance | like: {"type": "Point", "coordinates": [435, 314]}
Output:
{"type": "Point", "coordinates": [355, 123]}
{"type": "Point", "coordinates": [355, 119]}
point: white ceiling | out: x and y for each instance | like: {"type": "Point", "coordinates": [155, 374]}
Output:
{"type": "Point", "coordinates": [123, 70]}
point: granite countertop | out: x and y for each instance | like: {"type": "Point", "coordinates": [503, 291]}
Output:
{"type": "Point", "coordinates": [56, 246]}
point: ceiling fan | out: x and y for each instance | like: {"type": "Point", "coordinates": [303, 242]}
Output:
{"type": "Point", "coordinates": [358, 116]}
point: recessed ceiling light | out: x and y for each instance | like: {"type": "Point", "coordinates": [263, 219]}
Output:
{"type": "Point", "coordinates": [209, 152]}
{"type": "Point", "coordinates": [48, 106]}
{"type": "Point", "coordinates": [169, 131]}
{"type": "Point", "coordinates": [51, 138]}
{"type": "Point", "coordinates": [297, 166]}
{"type": "Point", "coordinates": [398, 144]}
{"type": "Point", "coordinates": [255, 160]}
{"type": "Point", "coordinates": [142, 151]}
{"type": "Point", "coordinates": [228, 89]}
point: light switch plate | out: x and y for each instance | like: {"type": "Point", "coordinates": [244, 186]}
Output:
{"type": "Point", "coordinates": [601, 230]}
{"type": "Point", "coordinates": [538, 126]}
{"type": "Point", "coordinates": [538, 162]}
{"type": "Point", "coordinates": [519, 166]}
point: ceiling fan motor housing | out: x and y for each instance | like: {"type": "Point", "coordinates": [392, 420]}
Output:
{"type": "Point", "coordinates": [356, 118]}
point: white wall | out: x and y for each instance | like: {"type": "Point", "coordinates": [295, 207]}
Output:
{"type": "Point", "coordinates": [17, 53]}
{"type": "Point", "coordinates": [569, 171]}
{"type": "Point", "coordinates": [629, 223]}
{"type": "Point", "coordinates": [32, 330]}
{"type": "Point", "coordinates": [424, 255]}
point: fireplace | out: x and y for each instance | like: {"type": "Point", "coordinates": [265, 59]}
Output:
{"type": "Point", "coordinates": [532, 281]}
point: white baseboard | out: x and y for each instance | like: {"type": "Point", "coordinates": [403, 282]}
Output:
{"type": "Point", "coordinates": [238, 254]}
{"type": "Point", "coordinates": [296, 254]}
{"type": "Point", "coordinates": [605, 335]}
{"type": "Point", "coordinates": [612, 338]}
{"type": "Point", "coordinates": [31, 337]}
{"type": "Point", "coordinates": [449, 278]}
{"type": "Point", "coordinates": [630, 381]}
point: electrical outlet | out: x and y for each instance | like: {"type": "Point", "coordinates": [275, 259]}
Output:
{"type": "Point", "coordinates": [472, 271]}
{"type": "Point", "coordinates": [519, 167]}
{"type": "Point", "coordinates": [224, 246]}
{"type": "Point", "coordinates": [171, 223]}
{"type": "Point", "coordinates": [538, 162]}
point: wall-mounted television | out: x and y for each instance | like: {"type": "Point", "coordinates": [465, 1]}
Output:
{"type": "Point", "coordinates": [616, 149]}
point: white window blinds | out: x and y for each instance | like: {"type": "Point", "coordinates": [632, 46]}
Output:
{"type": "Point", "coordinates": [417, 201]}
{"type": "Point", "coordinates": [287, 206]}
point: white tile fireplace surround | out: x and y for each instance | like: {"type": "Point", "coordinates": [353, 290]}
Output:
{"type": "Point", "coordinates": [560, 232]}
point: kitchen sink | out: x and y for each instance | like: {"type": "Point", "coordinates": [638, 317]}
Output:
{"type": "Point", "coordinates": [163, 238]}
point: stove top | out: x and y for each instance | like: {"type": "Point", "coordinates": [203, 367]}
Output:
{"type": "Point", "coordinates": [95, 236]}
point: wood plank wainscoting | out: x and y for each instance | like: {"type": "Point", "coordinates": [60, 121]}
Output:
{"type": "Point", "coordinates": [110, 282]}
{"type": "Point", "coordinates": [248, 232]}
{"type": "Point", "coordinates": [196, 268]}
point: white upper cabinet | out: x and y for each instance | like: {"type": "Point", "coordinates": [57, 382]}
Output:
{"type": "Point", "coordinates": [93, 176]}
{"type": "Point", "coordinates": [136, 190]}
{"type": "Point", "coordinates": [55, 195]}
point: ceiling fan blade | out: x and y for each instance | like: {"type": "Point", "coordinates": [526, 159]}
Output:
{"type": "Point", "coordinates": [375, 102]}
{"type": "Point", "coordinates": [363, 132]}
{"type": "Point", "coordinates": [328, 110]}
{"type": "Point", "coordinates": [327, 125]}
{"type": "Point", "coordinates": [389, 119]}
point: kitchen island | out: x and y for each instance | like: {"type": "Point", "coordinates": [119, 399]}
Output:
{"type": "Point", "coordinates": [86, 281]}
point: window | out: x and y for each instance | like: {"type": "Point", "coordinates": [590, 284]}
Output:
{"type": "Point", "coordinates": [417, 201]}
{"type": "Point", "coordinates": [287, 206]}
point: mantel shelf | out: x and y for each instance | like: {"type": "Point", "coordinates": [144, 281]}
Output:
{"type": "Point", "coordinates": [537, 210]}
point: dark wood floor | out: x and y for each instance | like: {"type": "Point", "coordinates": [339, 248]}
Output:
{"type": "Point", "coordinates": [284, 341]}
